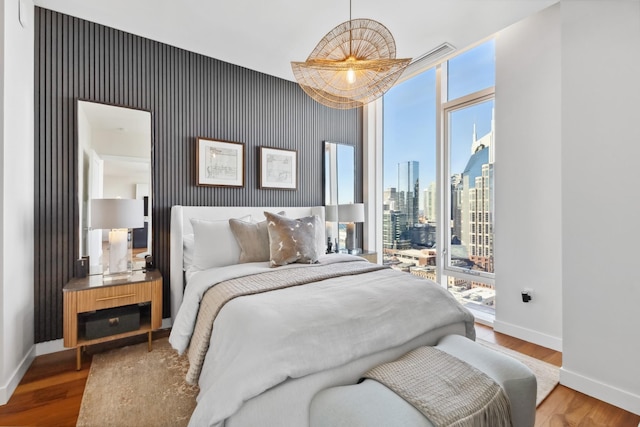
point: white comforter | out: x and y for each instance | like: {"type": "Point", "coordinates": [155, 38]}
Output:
{"type": "Point", "coordinates": [261, 340]}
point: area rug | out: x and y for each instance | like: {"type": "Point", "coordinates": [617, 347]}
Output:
{"type": "Point", "coordinates": [131, 386]}
{"type": "Point", "coordinates": [547, 375]}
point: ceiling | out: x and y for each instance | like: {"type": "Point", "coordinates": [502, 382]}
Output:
{"type": "Point", "coordinates": [266, 35]}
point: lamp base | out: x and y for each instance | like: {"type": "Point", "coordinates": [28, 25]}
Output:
{"type": "Point", "coordinates": [109, 277]}
{"type": "Point", "coordinates": [351, 241]}
{"type": "Point", "coordinates": [119, 254]}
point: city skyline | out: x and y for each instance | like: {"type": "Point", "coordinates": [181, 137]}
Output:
{"type": "Point", "coordinates": [410, 116]}
{"type": "Point", "coordinates": [410, 181]}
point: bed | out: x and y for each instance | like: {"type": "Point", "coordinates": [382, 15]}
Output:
{"type": "Point", "coordinates": [322, 324]}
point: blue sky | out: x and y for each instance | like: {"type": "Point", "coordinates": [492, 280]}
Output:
{"type": "Point", "coordinates": [346, 159]}
{"type": "Point", "coordinates": [410, 111]}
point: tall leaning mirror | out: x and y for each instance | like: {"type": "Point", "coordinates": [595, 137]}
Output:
{"type": "Point", "coordinates": [339, 185]}
{"type": "Point", "coordinates": [114, 162]}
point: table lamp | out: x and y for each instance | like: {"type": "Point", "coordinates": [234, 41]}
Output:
{"type": "Point", "coordinates": [118, 215]}
{"type": "Point", "coordinates": [351, 214]}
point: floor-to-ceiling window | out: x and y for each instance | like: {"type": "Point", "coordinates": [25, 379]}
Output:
{"type": "Point", "coordinates": [409, 144]}
{"type": "Point", "coordinates": [438, 159]}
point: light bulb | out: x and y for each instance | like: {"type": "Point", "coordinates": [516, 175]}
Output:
{"type": "Point", "coordinates": [351, 76]}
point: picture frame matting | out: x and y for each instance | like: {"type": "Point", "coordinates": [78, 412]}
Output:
{"type": "Point", "coordinates": [219, 163]}
{"type": "Point", "coordinates": [278, 168]}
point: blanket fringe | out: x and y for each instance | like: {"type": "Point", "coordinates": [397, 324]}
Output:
{"type": "Point", "coordinates": [496, 414]}
{"type": "Point", "coordinates": [446, 390]}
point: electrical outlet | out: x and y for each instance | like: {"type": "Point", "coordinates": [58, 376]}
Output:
{"type": "Point", "coordinates": [526, 295]}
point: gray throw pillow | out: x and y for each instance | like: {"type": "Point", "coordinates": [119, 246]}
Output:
{"type": "Point", "coordinates": [292, 240]}
{"type": "Point", "coordinates": [253, 239]}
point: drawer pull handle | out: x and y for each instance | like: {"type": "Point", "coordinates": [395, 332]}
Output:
{"type": "Point", "coordinates": [116, 297]}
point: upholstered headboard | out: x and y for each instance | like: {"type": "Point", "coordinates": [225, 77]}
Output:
{"type": "Point", "coordinates": [181, 226]}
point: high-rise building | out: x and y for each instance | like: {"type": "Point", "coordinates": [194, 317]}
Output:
{"type": "Point", "coordinates": [429, 196]}
{"type": "Point", "coordinates": [474, 196]}
{"type": "Point", "coordinates": [409, 191]}
{"type": "Point", "coordinates": [394, 223]}
{"type": "Point", "coordinates": [390, 198]}
{"type": "Point", "coordinates": [422, 235]}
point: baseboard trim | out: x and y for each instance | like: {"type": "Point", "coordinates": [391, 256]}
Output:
{"type": "Point", "coordinates": [529, 335]}
{"type": "Point", "coordinates": [605, 392]}
{"type": "Point", "coordinates": [39, 349]}
{"type": "Point", "coordinates": [49, 347]}
{"type": "Point", "coordinates": [6, 390]}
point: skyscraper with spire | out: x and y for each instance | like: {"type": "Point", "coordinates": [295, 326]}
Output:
{"type": "Point", "coordinates": [472, 197]}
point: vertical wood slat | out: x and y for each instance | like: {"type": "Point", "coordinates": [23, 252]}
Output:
{"type": "Point", "coordinates": [188, 95]}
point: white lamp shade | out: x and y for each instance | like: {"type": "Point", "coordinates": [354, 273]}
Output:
{"type": "Point", "coordinates": [351, 213]}
{"type": "Point", "coordinates": [331, 213]}
{"type": "Point", "coordinates": [117, 213]}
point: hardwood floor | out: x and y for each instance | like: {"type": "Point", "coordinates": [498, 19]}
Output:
{"type": "Point", "coordinates": [564, 406]}
{"type": "Point", "coordinates": [51, 391]}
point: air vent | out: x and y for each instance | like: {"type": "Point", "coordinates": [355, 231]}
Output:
{"type": "Point", "coordinates": [426, 60]}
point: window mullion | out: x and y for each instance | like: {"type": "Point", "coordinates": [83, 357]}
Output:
{"type": "Point", "coordinates": [441, 179]}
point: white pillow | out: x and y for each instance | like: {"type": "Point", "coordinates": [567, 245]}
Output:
{"type": "Point", "coordinates": [214, 244]}
{"type": "Point", "coordinates": [188, 248]}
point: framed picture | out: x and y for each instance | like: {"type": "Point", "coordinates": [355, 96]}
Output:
{"type": "Point", "coordinates": [220, 163]}
{"type": "Point", "coordinates": [278, 168]}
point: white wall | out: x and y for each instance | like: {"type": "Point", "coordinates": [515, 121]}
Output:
{"type": "Point", "coordinates": [17, 194]}
{"type": "Point", "coordinates": [528, 238]}
{"type": "Point", "coordinates": [123, 187]}
{"type": "Point", "coordinates": [129, 143]}
{"type": "Point", "coordinates": [567, 109]}
{"type": "Point", "coordinates": [600, 210]}
{"type": "Point", "coordinates": [5, 388]}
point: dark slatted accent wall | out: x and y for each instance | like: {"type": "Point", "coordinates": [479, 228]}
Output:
{"type": "Point", "coordinates": [189, 95]}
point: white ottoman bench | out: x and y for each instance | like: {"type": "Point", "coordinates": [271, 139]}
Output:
{"type": "Point", "coordinates": [371, 404]}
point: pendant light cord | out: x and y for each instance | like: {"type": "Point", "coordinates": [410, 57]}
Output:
{"type": "Point", "coordinates": [350, 33]}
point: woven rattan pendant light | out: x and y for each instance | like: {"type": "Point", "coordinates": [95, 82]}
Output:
{"type": "Point", "coordinates": [354, 64]}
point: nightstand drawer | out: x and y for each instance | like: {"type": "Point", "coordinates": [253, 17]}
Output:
{"type": "Point", "coordinates": [113, 296]}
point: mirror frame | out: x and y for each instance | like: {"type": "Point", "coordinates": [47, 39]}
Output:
{"type": "Point", "coordinates": [83, 196]}
{"type": "Point", "coordinates": [332, 168]}
{"type": "Point", "coordinates": [338, 157]}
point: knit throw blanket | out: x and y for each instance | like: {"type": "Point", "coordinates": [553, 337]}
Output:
{"type": "Point", "coordinates": [217, 296]}
{"type": "Point", "coordinates": [445, 389]}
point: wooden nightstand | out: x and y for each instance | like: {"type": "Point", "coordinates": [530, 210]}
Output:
{"type": "Point", "coordinates": [369, 256]}
{"type": "Point", "coordinates": [93, 293]}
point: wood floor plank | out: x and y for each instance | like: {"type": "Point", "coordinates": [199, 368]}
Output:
{"type": "Point", "coordinates": [54, 380]}
{"type": "Point", "coordinates": [50, 393]}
